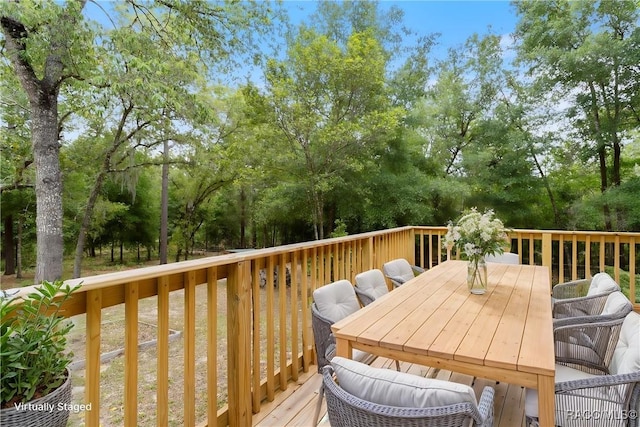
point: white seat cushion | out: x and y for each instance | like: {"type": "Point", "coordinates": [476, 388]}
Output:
{"type": "Point", "coordinates": [399, 269]}
{"type": "Point", "coordinates": [616, 302]}
{"type": "Point", "coordinates": [393, 388]}
{"type": "Point", "coordinates": [602, 283]}
{"type": "Point", "coordinates": [626, 356]}
{"type": "Point", "coordinates": [372, 282]}
{"type": "Point", "coordinates": [505, 258]}
{"type": "Point", "coordinates": [336, 300]}
{"type": "Point", "coordinates": [563, 373]}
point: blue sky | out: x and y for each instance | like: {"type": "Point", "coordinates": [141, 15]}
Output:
{"type": "Point", "coordinates": [454, 20]}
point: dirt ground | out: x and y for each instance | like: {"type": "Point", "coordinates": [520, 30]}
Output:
{"type": "Point", "coordinates": [112, 376]}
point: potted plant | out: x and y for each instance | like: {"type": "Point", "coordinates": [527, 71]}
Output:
{"type": "Point", "coordinates": [35, 380]}
{"type": "Point", "coordinates": [476, 235]}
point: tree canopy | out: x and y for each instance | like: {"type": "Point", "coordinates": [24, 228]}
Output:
{"type": "Point", "coordinates": [225, 125]}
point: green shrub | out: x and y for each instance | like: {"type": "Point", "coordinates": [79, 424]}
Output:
{"type": "Point", "coordinates": [32, 343]}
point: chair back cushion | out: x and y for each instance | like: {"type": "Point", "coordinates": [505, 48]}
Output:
{"type": "Point", "coordinates": [615, 304]}
{"type": "Point", "coordinates": [336, 300]}
{"type": "Point", "coordinates": [399, 268]}
{"type": "Point", "coordinates": [392, 388]}
{"type": "Point", "coordinates": [372, 282]}
{"type": "Point", "coordinates": [626, 356]}
{"type": "Point", "coordinates": [601, 283]}
{"type": "Point", "coordinates": [505, 258]}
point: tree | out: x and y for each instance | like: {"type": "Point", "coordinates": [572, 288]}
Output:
{"type": "Point", "coordinates": [50, 46]}
{"type": "Point", "coordinates": [588, 52]}
{"type": "Point", "coordinates": [330, 105]}
{"type": "Point", "coordinates": [41, 43]}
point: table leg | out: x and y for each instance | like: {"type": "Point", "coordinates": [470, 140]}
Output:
{"type": "Point", "coordinates": [546, 401]}
{"type": "Point", "coordinates": [344, 348]}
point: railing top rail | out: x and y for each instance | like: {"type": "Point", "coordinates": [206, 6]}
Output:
{"type": "Point", "coordinates": [151, 272]}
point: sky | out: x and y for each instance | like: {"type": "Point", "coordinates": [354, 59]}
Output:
{"type": "Point", "coordinates": [454, 20]}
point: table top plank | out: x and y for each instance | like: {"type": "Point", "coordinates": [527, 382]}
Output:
{"type": "Point", "coordinates": [433, 293]}
{"type": "Point", "coordinates": [505, 346]}
{"type": "Point", "coordinates": [479, 336]}
{"type": "Point", "coordinates": [537, 351]}
{"type": "Point", "coordinates": [451, 321]}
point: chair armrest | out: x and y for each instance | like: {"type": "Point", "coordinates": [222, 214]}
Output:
{"type": "Point", "coordinates": [485, 405]}
{"type": "Point", "coordinates": [364, 297]}
{"type": "Point", "coordinates": [609, 394]}
{"type": "Point", "coordinates": [417, 269]}
{"type": "Point", "coordinates": [581, 306]}
{"type": "Point", "coordinates": [570, 289]}
{"type": "Point", "coordinates": [397, 281]}
{"type": "Point", "coordinates": [600, 381]}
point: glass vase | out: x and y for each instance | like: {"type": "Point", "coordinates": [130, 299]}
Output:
{"type": "Point", "coordinates": [477, 276]}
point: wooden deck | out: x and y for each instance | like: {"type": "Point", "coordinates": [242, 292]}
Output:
{"type": "Point", "coordinates": [296, 406]}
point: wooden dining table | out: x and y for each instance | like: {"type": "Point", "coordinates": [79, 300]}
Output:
{"type": "Point", "coordinates": [505, 334]}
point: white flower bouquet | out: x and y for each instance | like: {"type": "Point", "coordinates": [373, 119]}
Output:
{"type": "Point", "coordinates": [477, 235]}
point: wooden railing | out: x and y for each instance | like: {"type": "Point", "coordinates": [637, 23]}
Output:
{"type": "Point", "coordinates": [570, 255]}
{"type": "Point", "coordinates": [268, 333]}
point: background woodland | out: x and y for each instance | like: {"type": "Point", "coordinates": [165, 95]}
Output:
{"type": "Point", "coordinates": [163, 128]}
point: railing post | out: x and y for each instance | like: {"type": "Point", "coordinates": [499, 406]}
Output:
{"type": "Point", "coordinates": [547, 253]}
{"type": "Point", "coordinates": [238, 336]}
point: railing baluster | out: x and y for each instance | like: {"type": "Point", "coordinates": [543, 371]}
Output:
{"type": "Point", "coordinates": [212, 347]}
{"type": "Point", "coordinates": [574, 257]}
{"type": "Point", "coordinates": [587, 257]}
{"type": "Point", "coordinates": [282, 315]}
{"type": "Point", "coordinates": [162, 390]}
{"type": "Point", "coordinates": [602, 253]}
{"type": "Point", "coordinates": [306, 333]}
{"type": "Point", "coordinates": [92, 372]}
{"type": "Point", "coordinates": [189, 348]}
{"type": "Point", "coordinates": [295, 365]}
{"type": "Point", "coordinates": [616, 258]}
{"type": "Point", "coordinates": [131, 354]}
{"type": "Point", "coordinates": [632, 269]}
{"type": "Point", "coordinates": [561, 259]}
{"type": "Point", "coordinates": [270, 331]}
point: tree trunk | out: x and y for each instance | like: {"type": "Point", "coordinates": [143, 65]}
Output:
{"type": "Point", "coordinates": [9, 253]}
{"type": "Point", "coordinates": [243, 218]}
{"type": "Point", "coordinates": [46, 155]}
{"type": "Point", "coordinates": [19, 248]}
{"type": "Point", "coordinates": [88, 213]}
{"type": "Point", "coordinates": [164, 206]}
{"type": "Point", "coordinates": [42, 90]}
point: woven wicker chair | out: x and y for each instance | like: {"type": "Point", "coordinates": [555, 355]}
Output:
{"type": "Point", "coordinates": [600, 283]}
{"type": "Point", "coordinates": [400, 271]}
{"type": "Point", "coordinates": [370, 285]}
{"type": "Point", "coordinates": [613, 304]}
{"type": "Point", "coordinates": [332, 302]}
{"type": "Point", "coordinates": [584, 397]}
{"type": "Point", "coordinates": [347, 410]}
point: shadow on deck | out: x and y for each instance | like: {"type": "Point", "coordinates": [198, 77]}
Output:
{"type": "Point", "coordinates": [296, 406]}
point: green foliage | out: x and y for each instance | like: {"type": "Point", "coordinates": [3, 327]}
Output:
{"type": "Point", "coordinates": [340, 229]}
{"type": "Point", "coordinates": [32, 342]}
